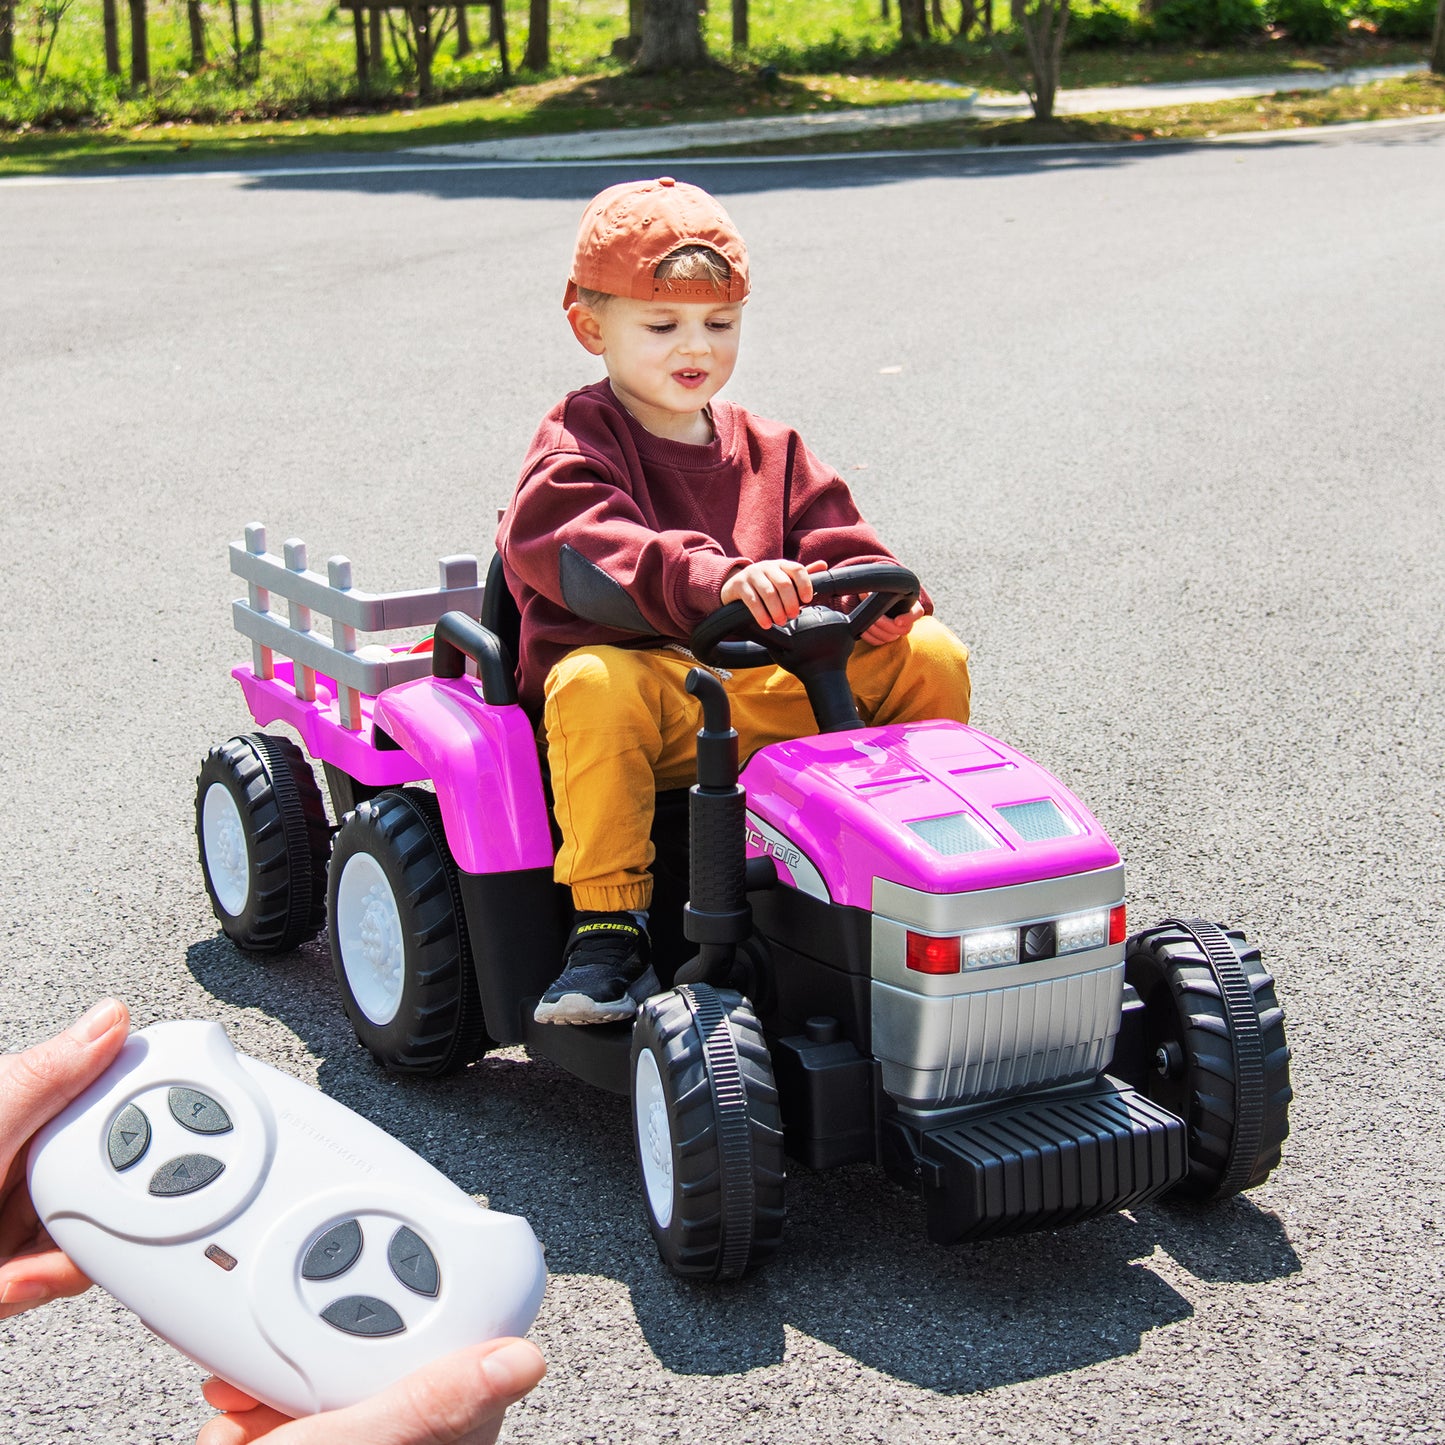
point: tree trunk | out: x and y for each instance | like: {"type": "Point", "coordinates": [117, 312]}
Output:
{"type": "Point", "coordinates": [913, 20]}
{"type": "Point", "coordinates": [884, 12]}
{"type": "Point", "coordinates": [940, 25]}
{"type": "Point", "coordinates": [376, 39]}
{"type": "Point", "coordinates": [7, 37]}
{"type": "Point", "coordinates": [421, 35]}
{"type": "Point", "coordinates": [198, 35]}
{"type": "Point", "coordinates": [538, 55]}
{"type": "Point", "coordinates": [363, 60]}
{"type": "Point", "coordinates": [111, 25]}
{"type": "Point", "coordinates": [464, 33]}
{"type": "Point", "coordinates": [258, 33]}
{"type": "Point", "coordinates": [1043, 28]}
{"type": "Point", "coordinates": [140, 50]}
{"type": "Point", "coordinates": [740, 24]}
{"type": "Point", "coordinates": [1437, 48]}
{"type": "Point", "coordinates": [671, 37]}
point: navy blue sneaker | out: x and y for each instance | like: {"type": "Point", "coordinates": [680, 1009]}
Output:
{"type": "Point", "coordinates": [607, 972]}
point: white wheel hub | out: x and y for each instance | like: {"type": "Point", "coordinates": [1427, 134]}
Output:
{"type": "Point", "coordinates": [228, 856]}
{"type": "Point", "coordinates": [369, 933]}
{"type": "Point", "coordinates": [654, 1134]}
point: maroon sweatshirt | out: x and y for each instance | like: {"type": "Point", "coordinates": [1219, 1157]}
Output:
{"type": "Point", "coordinates": [618, 536]}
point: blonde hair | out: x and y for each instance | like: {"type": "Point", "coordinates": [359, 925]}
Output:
{"type": "Point", "coordinates": [686, 263]}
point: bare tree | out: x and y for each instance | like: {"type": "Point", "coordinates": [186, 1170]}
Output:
{"type": "Point", "coordinates": [671, 37]}
{"type": "Point", "coordinates": [1042, 24]}
{"type": "Point", "coordinates": [539, 24]}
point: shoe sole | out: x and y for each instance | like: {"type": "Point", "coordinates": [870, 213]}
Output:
{"type": "Point", "coordinates": [577, 1008]}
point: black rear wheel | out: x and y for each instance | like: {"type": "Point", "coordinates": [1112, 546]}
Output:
{"type": "Point", "coordinates": [708, 1133]}
{"type": "Point", "coordinates": [263, 838]}
{"type": "Point", "coordinates": [1216, 1050]}
{"type": "Point", "coordinates": [399, 938]}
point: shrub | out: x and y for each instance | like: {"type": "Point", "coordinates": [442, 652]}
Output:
{"type": "Point", "coordinates": [1098, 26]}
{"type": "Point", "coordinates": [1309, 22]}
{"type": "Point", "coordinates": [1206, 22]}
{"type": "Point", "coordinates": [1403, 19]}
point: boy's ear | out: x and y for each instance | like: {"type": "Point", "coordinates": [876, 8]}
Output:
{"type": "Point", "coordinates": [583, 321]}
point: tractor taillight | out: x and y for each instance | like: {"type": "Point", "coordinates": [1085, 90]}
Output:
{"type": "Point", "coordinates": [926, 954]}
{"type": "Point", "coordinates": [1117, 926]}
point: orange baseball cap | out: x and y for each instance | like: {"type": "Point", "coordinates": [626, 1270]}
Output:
{"type": "Point", "coordinates": [628, 230]}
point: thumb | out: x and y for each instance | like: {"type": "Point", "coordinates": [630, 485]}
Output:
{"type": "Point", "coordinates": [37, 1084]}
{"type": "Point", "coordinates": [460, 1397]}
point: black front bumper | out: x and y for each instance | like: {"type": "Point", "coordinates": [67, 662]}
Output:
{"type": "Point", "coordinates": [1039, 1162]}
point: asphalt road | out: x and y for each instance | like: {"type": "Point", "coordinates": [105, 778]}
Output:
{"type": "Point", "coordinates": [1162, 430]}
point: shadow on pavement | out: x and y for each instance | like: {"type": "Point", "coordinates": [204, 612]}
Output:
{"type": "Point", "coordinates": [856, 1270]}
{"type": "Point", "coordinates": [579, 181]}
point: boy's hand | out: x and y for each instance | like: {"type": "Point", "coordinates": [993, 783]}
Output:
{"type": "Point", "coordinates": [775, 592]}
{"type": "Point", "coordinates": [34, 1087]}
{"type": "Point", "coordinates": [457, 1400]}
{"type": "Point", "coordinates": [890, 629]}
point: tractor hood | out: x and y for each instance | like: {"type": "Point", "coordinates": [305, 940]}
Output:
{"type": "Point", "coordinates": [935, 806]}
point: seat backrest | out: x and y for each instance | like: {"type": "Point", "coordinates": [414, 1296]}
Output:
{"type": "Point", "coordinates": [500, 614]}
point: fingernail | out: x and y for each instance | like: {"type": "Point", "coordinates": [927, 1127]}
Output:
{"type": "Point", "coordinates": [512, 1369]}
{"type": "Point", "coordinates": [97, 1021]}
{"type": "Point", "coordinates": [23, 1292]}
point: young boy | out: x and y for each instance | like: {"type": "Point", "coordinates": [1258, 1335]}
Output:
{"type": "Point", "coordinates": [644, 505]}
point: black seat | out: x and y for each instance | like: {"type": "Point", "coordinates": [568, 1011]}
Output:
{"type": "Point", "coordinates": [500, 614]}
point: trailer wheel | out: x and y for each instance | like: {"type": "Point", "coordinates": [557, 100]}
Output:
{"type": "Point", "coordinates": [263, 838]}
{"type": "Point", "coordinates": [1214, 1036]}
{"type": "Point", "coordinates": [399, 937]}
{"type": "Point", "coordinates": [708, 1133]}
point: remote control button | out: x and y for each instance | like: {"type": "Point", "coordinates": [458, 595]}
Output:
{"type": "Point", "coordinates": [334, 1253]}
{"type": "Point", "coordinates": [360, 1314]}
{"type": "Point", "coordinates": [198, 1112]}
{"type": "Point", "coordinates": [185, 1175]}
{"type": "Point", "coordinates": [413, 1263]}
{"type": "Point", "coordinates": [130, 1137]}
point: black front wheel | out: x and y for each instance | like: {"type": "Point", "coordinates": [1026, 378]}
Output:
{"type": "Point", "coordinates": [399, 938]}
{"type": "Point", "coordinates": [708, 1132]}
{"type": "Point", "coordinates": [263, 838]}
{"type": "Point", "coordinates": [1215, 1050]}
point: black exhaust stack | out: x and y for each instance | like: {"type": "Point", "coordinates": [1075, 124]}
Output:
{"type": "Point", "coordinates": [717, 916]}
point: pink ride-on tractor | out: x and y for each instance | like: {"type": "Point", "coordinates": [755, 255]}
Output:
{"type": "Point", "coordinates": [902, 945]}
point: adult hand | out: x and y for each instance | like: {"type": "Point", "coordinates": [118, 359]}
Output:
{"type": "Point", "coordinates": [34, 1087]}
{"type": "Point", "coordinates": [775, 592]}
{"type": "Point", "coordinates": [890, 629]}
{"type": "Point", "coordinates": [457, 1400]}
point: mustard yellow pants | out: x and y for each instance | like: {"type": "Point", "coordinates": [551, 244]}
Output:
{"type": "Point", "coordinates": [621, 726]}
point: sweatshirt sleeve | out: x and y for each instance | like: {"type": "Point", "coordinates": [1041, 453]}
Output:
{"type": "Point", "coordinates": [576, 536]}
{"type": "Point", "coordinates": [828, 527]}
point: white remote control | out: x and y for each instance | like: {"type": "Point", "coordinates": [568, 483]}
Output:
{"type": "Point", "coordinates": [274, 1236]}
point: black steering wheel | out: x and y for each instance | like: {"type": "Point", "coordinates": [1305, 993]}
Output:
{"type": "Point", "coordinates": [730, 638]}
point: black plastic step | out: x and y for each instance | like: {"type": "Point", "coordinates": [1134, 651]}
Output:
{"type": "Point", "coordinates": [1039, 1163]}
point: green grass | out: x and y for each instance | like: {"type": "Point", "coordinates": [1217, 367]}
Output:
{"type": "Point", "coordinates": [1410, 97]}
